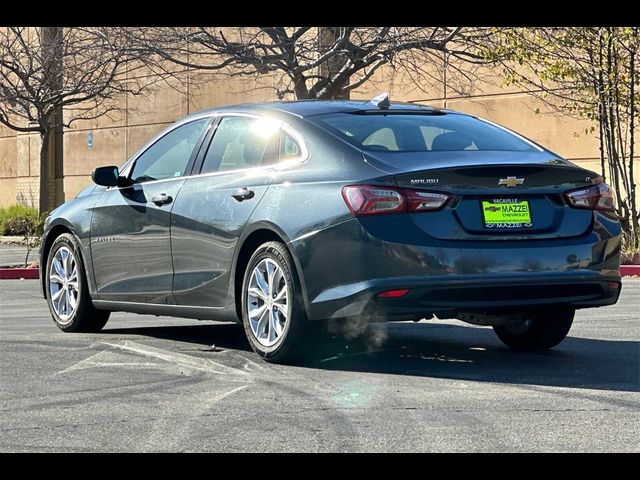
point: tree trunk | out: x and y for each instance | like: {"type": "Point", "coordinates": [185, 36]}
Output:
{"type": "Point", "coordinates": [632, 112]}
{"type": "Point", "coordinates": [300, 88]}
{"type": "Point", "coordinates": [327, 37]}
{"type": "Point", "coordinates": [47, 173]}
{"type": "Point", "coordinates": [601, 138]}
{"type": "Point", "coordinates": [51, 155]}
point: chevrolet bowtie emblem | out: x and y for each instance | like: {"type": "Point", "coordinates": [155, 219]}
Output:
{"type": "Point", "coordinates": [511, 181]}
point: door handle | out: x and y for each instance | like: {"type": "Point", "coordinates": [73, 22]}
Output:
{"type": "Point", "coordinates": [161, 199]}
{"type": "Point", "coordinates": [243, 194]}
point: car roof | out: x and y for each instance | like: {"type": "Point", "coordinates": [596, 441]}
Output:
{"type": "Point", "coordinates": [307, 108]}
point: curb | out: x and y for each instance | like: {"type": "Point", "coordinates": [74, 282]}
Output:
{"type": "Point", "coordinates": [629, 270]}
{"type": "Point", "coordinates": [19, 273]}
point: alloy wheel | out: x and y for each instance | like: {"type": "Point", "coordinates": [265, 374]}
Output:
{"type": "Point", "coordinates": [267, 302]}
{"type": "Point", "coordinates": [63, 284]}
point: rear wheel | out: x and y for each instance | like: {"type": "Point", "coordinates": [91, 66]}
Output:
{"type": "Point", "coordinates": [273, 314]}
{"type": "Point", "coordinates": [542, 330]}
{"type": "Point", "coordinates": [67, 291]}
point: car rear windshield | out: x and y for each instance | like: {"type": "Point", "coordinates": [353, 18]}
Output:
{"type": "Point", "coordinates": [422, 133]}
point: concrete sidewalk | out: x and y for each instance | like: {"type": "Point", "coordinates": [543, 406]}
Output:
{"type": "Point", "coordinates": [13, 254]}
{"type": "Point", "coordinates": [11, 239]}
{"type": "Point", "coordinates": [13, 251]}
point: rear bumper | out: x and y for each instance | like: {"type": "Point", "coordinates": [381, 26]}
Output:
{"type": "Point", "coordinates": [345, 266]}
{"type": "Point", "coordinates": [445, 297]}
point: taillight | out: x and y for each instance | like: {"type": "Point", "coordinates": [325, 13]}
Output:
{"type": "Point", "coordinates": [419, 201]}
{"type": "Point", "coordinates": [370, 200]}
{"type": "Point", "coordinates": [375, 200]}
{"type": "Point", "coordinates": [596, 197]}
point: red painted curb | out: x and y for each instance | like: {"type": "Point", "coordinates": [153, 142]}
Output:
{"type": "Point", "coordinates": [629, 270]}
{"type": "Point", "coordinates": [17, 273]}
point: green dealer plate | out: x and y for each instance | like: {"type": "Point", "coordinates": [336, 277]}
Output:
{"type": "Point", "coordinates": [506, 214]}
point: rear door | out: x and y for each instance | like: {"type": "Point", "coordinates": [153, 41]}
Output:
{"type": "Point", "coordinates": [130, 240]}
{"type": "Point", "coordinates": [213, 207]}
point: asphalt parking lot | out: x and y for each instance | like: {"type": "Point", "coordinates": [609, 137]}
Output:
{"type": "Point", "coordinates": [156, 384]}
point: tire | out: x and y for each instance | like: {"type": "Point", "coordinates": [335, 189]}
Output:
{"type": "Point", "coordinates": [543, 330]}
{"type": "Point", "coordinates": [295, 332]}
{"type": "Point", "coordinates": [83, 317]}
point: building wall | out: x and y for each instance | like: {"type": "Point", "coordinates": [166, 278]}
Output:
{"type": "Point", "coordinates": [8, 166]}
{"type": "Point", "coordinates": [117, 137]}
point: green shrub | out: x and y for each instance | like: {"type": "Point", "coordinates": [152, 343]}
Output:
{"type": "Point", "coordinates": [630, 257]}
{"type": "Point", "coordinates": [13, 218]}
{"type": "Point", "coordinates": [19, 226]}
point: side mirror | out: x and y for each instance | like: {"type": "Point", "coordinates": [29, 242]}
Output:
{"type": "Point", "coordinates": [105, 176]}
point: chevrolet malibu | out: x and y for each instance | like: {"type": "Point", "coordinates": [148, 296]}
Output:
{"type": "Point", "coordinates": [282, 216]}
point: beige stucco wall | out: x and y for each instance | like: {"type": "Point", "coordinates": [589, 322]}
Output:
{"type": "Point", "coordinates": [8, 166]}
{"type": "Point", "coordinates": [117, 137]}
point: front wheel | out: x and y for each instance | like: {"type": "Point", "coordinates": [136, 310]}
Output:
{"type": "Point", "coordinates": [273, 313]}
{"type": "Point", "coordinates": [67, 290]}
{"type": "Point", "coordinates": [541, 331]}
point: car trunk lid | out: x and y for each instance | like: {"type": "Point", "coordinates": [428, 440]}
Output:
{"type": "Point", "coordinates": [495, 195]}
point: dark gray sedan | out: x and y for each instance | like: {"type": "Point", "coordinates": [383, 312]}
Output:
{"type": "Point", "coordinates": [284, 215]}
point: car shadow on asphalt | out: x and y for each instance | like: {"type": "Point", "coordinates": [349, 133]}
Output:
{"type": "Point", "coordinates": [442, 351]}
{"type": "Point", "coordinates": [223, 336]}
{"type": "Point", "coordinates": [471, 353]}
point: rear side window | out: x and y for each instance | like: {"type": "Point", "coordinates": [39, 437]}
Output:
{"type": "Point", "coordinates": [421, 133]}
{"type": "Point", "coordinates": [289, 147]}
{"type": "Point", "coordinates": [242, 142]}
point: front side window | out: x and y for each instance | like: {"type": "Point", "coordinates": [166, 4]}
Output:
{"type": "Point", "coordinates": [421, 132]}
{"type": "Point", "coordinates": [242, 142]}
{"type": "Point", "coordinates": [169, 156]}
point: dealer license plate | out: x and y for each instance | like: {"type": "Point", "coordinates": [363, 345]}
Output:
{"type": "Point", "coordinates": [508, 214]}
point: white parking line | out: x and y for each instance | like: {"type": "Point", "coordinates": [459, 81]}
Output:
{"type": "Point", "coordinates": [203, 364]}
{"type": "Point", "coordinates": [185, 361]}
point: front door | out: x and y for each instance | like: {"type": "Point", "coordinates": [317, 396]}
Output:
{"type": "Point", "coordinates": [130, 227]}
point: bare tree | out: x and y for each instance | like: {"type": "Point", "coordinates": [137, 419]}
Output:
{"type": "Point", "coordinates": [587, 72]}
{"type": "Point", "coordinates": [51, 77]}
{"type": "Point", "coordinates": [308, 62]}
